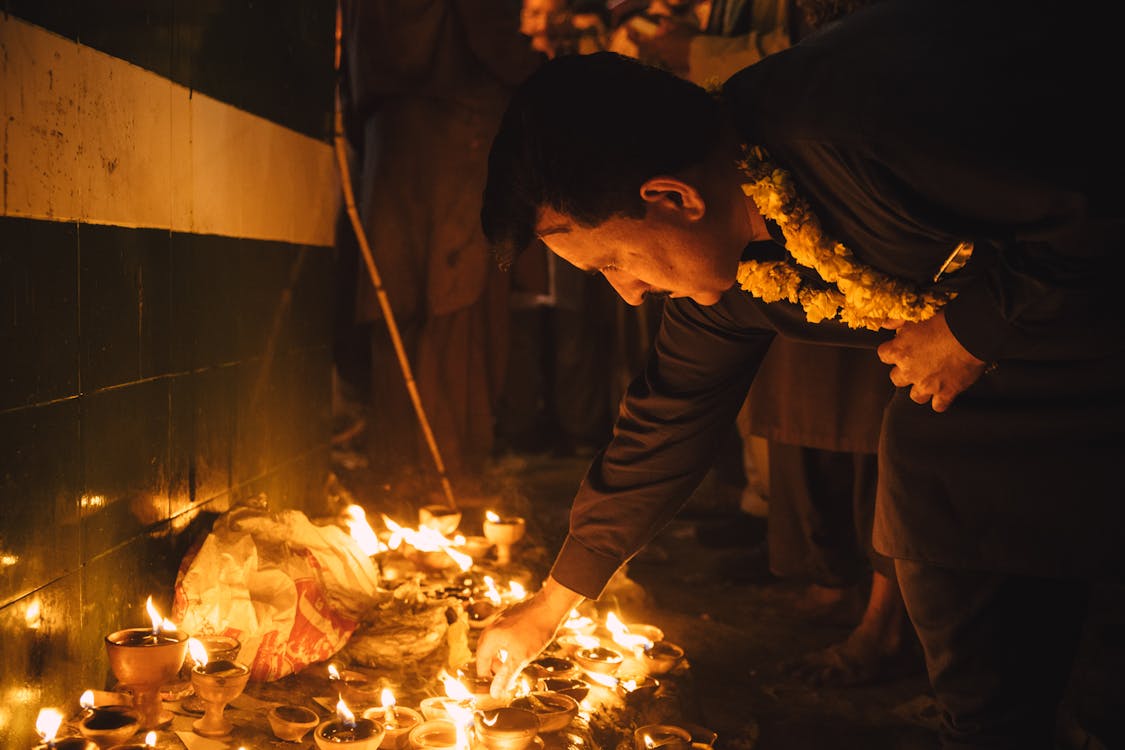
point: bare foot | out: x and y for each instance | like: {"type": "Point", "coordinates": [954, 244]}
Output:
{"type": "Point", "coordinates": [857, 661]}
{"type": "Point", "coordinates": [830, 605]}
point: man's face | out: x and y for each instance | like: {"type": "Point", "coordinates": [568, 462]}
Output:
{"type": "Point", "coordinates": [658, 254]}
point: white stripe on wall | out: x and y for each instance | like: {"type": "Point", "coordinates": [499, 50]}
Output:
{"type": "Point", "coordinates": [89, 137]}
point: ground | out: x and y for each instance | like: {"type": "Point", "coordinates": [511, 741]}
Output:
{"type": "Point", "coordinates": [738, 635]}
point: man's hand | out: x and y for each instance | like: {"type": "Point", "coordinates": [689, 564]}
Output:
{"type": "Point", "coordinates": [927, 357]}
{"type": "Point", "coordinates": [520, 632]}
{"type": "Point", "coordinates": [667, 47]}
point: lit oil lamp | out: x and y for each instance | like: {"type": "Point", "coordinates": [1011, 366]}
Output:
{"type": "Point", "coordinates": [503, 532]}
{"type": "Point", "coordinates": [346, 732]}
{"type": "Point", "coordinates": [553, 666]}
{"type": "Point", "coordinates": [637, 689]}
{"type": "Point", "coordinates": [150, 743]}
{"type": "Point", "coordinates": [554, 710]}
{"type": "Point", "coordinates": [218, 648]}
{"type": "Point", "coordinates": [354, 687]}
{"type": "Point", "coordinates": [633, 643]}
{"type": "Point", "coordinates": [665, 736]}
{"type": "Point", "coordinates": [217, 683]}
{"type": "Point", "coordinates": [574, 687]}
{"type": "Point", "coordinates": [143, 660]}
{"type": "Point", "coordinates": [47, 725]}
{"type": "Point", "coordinates": [568, 643]}
{"type": "Point", "coordinates": [106, 725]}
{"type": "Point", "coordinates": [457, 701]}
{"type": "Point", "coordinates": [435, 734]}
{"type": "Point", "coordinates": [397, 721]}
{"type": "Point", "coordinates": [661, 657]}
{"type": "Point", "coordinates": [599, 660]}
{"type": "Point", "coordinates": [506, 728]}
{"type": "Point", "coordinates": [441, 518]}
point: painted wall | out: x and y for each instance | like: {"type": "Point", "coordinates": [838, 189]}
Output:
{"type": "Point", "coordinates": [168, 204]}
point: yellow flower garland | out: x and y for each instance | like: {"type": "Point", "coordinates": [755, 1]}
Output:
{"type": "Point", "coordinates": [858, 295]}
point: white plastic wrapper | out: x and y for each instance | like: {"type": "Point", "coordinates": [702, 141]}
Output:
{"type": "Point", "coordinates": [290, 591]}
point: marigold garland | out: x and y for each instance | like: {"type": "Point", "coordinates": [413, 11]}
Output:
{"type": "Point", "coordinates": [858, 295]}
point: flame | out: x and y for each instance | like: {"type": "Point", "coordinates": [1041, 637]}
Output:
{"type": "Point", "coordinates": [333, 673]}
{"type": "Point", "coordinates": [150, 739]}
{"type": "Point", "coordinates": [87, 699]}
{"type": "Point", "coordinates": [517, 591]}
{"type": "Point", "coordinates": [33, 616]}
{"type": "Point", "coordinates": [628, 685]}
{"type": "Point", "coordinates": [344, 714]}
{"type": "Point", "coordinates": [167, 626]}
{"type": "Point", "coordinates": [622, 636]}
{"type": "Point", "coordinates": [648, 742]}
{"type": "Point", "coordinates": [198, 651]}
{"type": "Point", "coordinates": [603, 679]}
{"type": "Point", "coordinates": [387, 698]}
{"type": "Point", "coordinates": [153, 615]}
{"type": "Point", "coordinates": [459, 540]}
{"type": "Point", "coordinates": [490, 722]}
{"type": "Point", "coordinates": [577, 621]}
{"type": "Point", "coordinates": [47, 723]}
{"type": "Point", "coordinates": [462, 717]}
{"type": "Point", "coordinates": [491, 592]}
{"type": "Point", "coordinates": [502, 655]}
{"type": "Point", "coordinates": [361, 531]}
{"type": "Point", "coordinates": [523, 687]}
{"type": "Point", "coordinates": [492, 517]}
{"type": "Point", "coordinates": [455, 689]}
{"type": "Point", "coordinates": [587, 641]}
{"type": "Point", "coordinates": [425, 539]}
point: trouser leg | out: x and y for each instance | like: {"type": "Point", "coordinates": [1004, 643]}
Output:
{"type": "Point", "coordinates": [998, 649]}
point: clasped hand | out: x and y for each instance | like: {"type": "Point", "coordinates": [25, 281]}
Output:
{"type": "Point", "coordinates": [928, 359]}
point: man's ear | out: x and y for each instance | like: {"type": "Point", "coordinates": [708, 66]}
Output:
{"type": "Point", "coordinates": [674, 195]}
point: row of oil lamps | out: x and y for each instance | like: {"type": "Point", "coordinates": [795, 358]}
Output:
{"type": "Point", "coordinates": [144, 660]}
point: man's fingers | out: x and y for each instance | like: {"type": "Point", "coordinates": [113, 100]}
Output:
{"type": "Point", "coordinates": [941, 403]}
{"type": "Point", "coordinates": [886, 353]}
{"type": "Point", "coordinates": [898, 378]}
{"type": "Point", "coordinates": [919, 396]}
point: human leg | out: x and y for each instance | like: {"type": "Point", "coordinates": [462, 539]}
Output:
{"type": "Point", "coordinates": [998, 651]}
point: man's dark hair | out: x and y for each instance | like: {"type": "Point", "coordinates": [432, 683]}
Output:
{"type": "Point", "coordinates": [581, 135]}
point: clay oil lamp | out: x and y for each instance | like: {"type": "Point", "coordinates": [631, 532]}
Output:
{"type": "Point", "coordinates": [149, 744]}
{"type": "Point", "coordinates": [648, 632]}
{"type": "Point", "coordinates": [106, 725]}
{"type": "Point", "coordinates": [506, 728]}
{"type": "Point", "coordinates": [435, 734]}
{"type": "Point", "coordinates": [346, 732]}
{"type": "Point", "coordinates": [553, 666]}
{"type": "Point", "coordinates": [554, 710]}
{"type": "Point", "coordinates": [217, 682]}
{"type": "Point", "coordinates": [457, 701]}
{"type": "Point", "coordinates": [665, 736]}
{"type": "Point", "coordinates": [218, 648]}
{"type": "Point", "coordinates": [397, 721]}
{"type": "Point", "coordinates": [354, 687]}
{"type": "Point", "coordinates": [576, 688]}
{"type": "Point", "coordinates": [599, 660]}
{"type": "Point", "coordinates": [503, 532]}
{"type": "Point", "coordinates": [637, 689]}
{"type": "Point", "coordinates": [480, 688]}
{"type": "Point", "coordinates": [47, 725]}
{"type": "Point", "coordinates": [475, 546]}
{"type": "Point", "coordinates": [441, 518]}
{"type": "Point", "coordinates": [292, 723]}
{"type": "Point", "coordinates": [662, 657]}
{"type": "Point", "coordinates": [568, 643]}
{"type": "Point", "coordinates": [143, 660]}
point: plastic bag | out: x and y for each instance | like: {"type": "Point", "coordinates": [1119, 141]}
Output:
{"type": "Point", "coordinates": [290, 591]}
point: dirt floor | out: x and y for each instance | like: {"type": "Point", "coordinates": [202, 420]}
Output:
{"type": "Point", "coordinates": [739, 635]}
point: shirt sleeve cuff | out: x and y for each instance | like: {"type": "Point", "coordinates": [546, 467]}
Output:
{"type": "Point", "coordinates": [583, 570]}
{"type": "Point", "coordinates": [975, 322]}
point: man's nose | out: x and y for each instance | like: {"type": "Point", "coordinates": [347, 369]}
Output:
{"type": "Point", "coordinates": [629, 288]}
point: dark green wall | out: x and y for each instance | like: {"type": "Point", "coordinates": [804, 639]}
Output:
{"type": "Point", "coordinates": [150, 378]}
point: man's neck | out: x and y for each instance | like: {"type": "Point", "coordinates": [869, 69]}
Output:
{"type": "Point", "coordinates": [758, 230]}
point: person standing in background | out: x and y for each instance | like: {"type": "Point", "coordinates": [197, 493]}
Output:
{"type": "Point", "coordinates": [424, 83]}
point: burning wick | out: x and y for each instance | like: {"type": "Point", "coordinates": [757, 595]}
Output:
{"type": "Point", "coordinates": [87, 701]}
{"type": "Point", "coordinates": [333, 673]}
{"type": "Point", "coordinates": [198, 652]}
{"type": "Point", "coordinates": [502, 655]}
{"type": "Point", "coordinates": [159, 622]}
{"type": "Point", "coordinates": [47, 725]}
{"type": "Point", "coordinates": [150, 739]}
{"type": "Point", "coordinates": [344, 714]}
{"type": "Point", "coordinates": [388, 701]}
